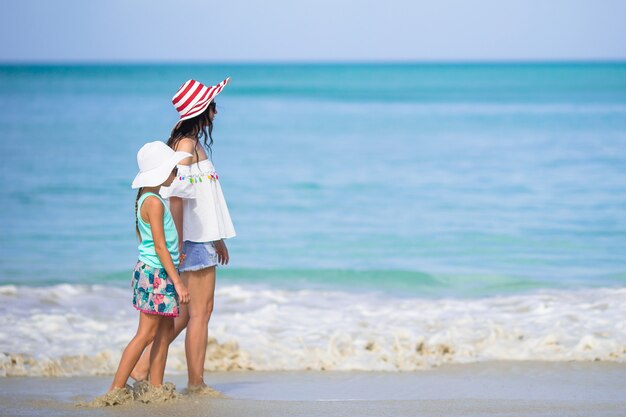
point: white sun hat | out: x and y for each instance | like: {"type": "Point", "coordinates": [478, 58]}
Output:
{"type": "Point", "coordinates": [156, 161]}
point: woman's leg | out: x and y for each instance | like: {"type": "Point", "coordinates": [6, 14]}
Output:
{"type": "Point", "coordinates": [201, 285]}
{"type": "Point", "coordinates": [142, 369]}
{"type": "Point", "coordinates": [158, 354]}
{"type": "Point", "coordinates": [147, 329]}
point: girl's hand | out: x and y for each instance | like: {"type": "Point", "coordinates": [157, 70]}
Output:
{"type": "Point", "coordinates": [183, 294]}
{"type": "Point", "coordinates": [222, 252]}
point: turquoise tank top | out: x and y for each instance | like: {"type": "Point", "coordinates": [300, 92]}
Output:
{"type": "Point", "coordinates": [147, 253]}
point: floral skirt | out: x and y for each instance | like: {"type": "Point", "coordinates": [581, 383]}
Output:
{"type": "Point", "coordinates": [153, 291]}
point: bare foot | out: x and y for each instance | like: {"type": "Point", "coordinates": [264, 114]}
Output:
{"type": "Point", "coordinates": [115, 396]}
{"type": "Point", "coordinates": [147, 393]}
{"type": "Point", "coordinates": [203, 389]}
{"type": "Point", "coordinates": [138, 376]}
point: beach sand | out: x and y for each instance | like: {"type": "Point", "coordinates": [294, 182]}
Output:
{"type": "Point", "coordinates": [480, 389]}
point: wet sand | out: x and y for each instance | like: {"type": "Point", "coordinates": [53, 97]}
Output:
{"type": "Point", "coordinates": [482, 389]}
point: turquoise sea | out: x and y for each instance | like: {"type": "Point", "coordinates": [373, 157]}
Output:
{"type": "Point", "coordinates": [396, 182]}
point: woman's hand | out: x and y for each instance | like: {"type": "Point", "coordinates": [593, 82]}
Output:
{"type": "Point", "coordinates": [222, 252]}
{"type": "Point", "coordinates": [181, 254]}
{"type": "Point", "coordinates": [183, 294]}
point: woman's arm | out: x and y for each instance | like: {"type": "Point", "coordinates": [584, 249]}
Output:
{"type": "Point", "coordinates": [154, 211]}
{"type": "Point", "coordinates": [176, 208]}
{"type": "Point", "coordinates": [222, 251]}
{"type": "Point", "coordinates": [176, 203]}
{"type": "Point", "coordinates": [187, 145]}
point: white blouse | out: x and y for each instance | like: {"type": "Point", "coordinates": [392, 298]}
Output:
{"type": "Point", "coordinates": [205, 214]}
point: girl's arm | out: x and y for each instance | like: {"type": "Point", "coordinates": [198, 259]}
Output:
{"type": "Point", "coordinates": [154, 210]}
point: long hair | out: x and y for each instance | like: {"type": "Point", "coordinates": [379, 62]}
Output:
{"type": "Point", "coordinates": [137, 214]}
{"type": "Point", "coordinates": [198, 127]}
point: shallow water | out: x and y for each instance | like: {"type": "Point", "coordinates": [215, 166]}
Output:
{"type": "Point", "coordinates": [81, 330]}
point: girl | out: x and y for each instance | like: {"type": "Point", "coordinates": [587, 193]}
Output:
{"type": "Point", "coordinates": [202, 221]}
{"type": "Point", "coordinates": [157, 286]}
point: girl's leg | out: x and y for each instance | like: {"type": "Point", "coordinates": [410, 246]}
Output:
{"type": "Point", "coordinates": [147, 329]}
{"type": "Point", "coordinates": [142, 369]}
{"type": "Point", "coordinates": [201, 285]}
{"type": "Point", "coordinates": [158, 354]}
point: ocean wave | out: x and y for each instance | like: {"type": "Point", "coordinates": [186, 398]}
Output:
{"type": "Point", "coordinates": [66, 329]}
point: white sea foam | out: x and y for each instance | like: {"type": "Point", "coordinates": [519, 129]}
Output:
{"type": "Point", "coordinates": [82, 329]}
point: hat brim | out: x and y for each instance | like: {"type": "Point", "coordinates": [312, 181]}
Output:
{"type": "Point", "coordinates": [200, 109]}
{"type": "Point", "coordinates": [157, 176]}
{"type": "Point", "coordinates": [204, 105]}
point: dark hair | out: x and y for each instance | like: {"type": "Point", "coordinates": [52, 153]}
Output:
{"type": "Point", "coordinates": [197, 127]}
{"type": "Point", "coordinates": [139, 192]}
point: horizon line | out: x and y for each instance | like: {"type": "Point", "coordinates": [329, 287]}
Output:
{"type": "Point", "coordinates": [310, 62]}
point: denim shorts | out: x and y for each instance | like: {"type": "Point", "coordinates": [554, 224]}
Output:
{"type": "Point", "coordinates": [198, 255]}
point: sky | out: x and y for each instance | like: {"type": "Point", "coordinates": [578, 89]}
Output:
{"type": "Point", "coordinates": [305, 31]}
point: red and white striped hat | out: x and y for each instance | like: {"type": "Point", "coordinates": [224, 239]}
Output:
{"type": "Point", "coordinates": [193, 97]}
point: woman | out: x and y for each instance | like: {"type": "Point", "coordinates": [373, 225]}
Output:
{"type": "Point", "coordinates": [202, 221]}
